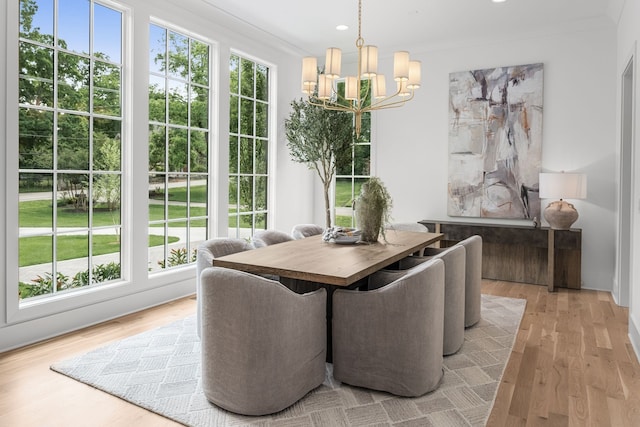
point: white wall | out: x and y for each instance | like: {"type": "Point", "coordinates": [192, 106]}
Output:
{"type": "Point", "coordinates": [19, 327]}
{"type": "Point", "coordinates": [578, 133]}
{"type": "Point", "coordinates": [628, 35]}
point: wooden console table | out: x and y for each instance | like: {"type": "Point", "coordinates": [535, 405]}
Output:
{"type": "Point", "coordinates": [523, 254]}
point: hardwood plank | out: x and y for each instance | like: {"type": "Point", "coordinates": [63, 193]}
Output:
{"type": "Point", "coordinates": [594, 372]}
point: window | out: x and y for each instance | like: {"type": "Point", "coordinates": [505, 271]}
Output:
{"type": "Point", "coordinates": [179, 88]}
{"type": "Point", "coordinates": [350, 178]}
{"type": "Point", "coordinates": [248, 146]}
{"type": "Point", "coordinates": [70, 145]}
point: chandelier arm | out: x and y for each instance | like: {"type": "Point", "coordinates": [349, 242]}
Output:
{"type": "Point", "coordinates": [384, 104]}
{"type": "Point", "coordinates": [330, 106]}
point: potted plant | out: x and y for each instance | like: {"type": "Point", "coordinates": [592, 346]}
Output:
{"type": "Point", "coordinates": [322, 139]}
{"type": "Point", "coordinates": [373, 207]}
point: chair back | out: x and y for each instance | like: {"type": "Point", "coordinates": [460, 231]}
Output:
{"type": "Point", "coordinates": [263, 346]}
{"type": "Point", "coordinates": [409, 226]}
{"type": "Point", "coordinates": [207, 251]}
{"type": "Point", "coordinates": [263, 238]}
{"type": "Point", "coordinates": [473, 279]}
{"type": "Point", "coordinates": [301, 231]}
{"type": "Point", "coordinates": [391, 338]}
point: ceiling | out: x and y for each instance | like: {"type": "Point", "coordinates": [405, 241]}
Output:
{"type": "Point", "coordinates": [309, 27]}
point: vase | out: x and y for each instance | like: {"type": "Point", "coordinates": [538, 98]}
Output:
{"type": "Point", "coordinates": [368, 221]}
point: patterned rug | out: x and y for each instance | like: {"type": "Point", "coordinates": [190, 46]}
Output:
{"type": "Point", "coordinates": [160, 370]}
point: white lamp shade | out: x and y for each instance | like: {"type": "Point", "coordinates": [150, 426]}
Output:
{"type": "Point", "coordinates": [369, 61]}
{"type": "Point", "coordinates": [415, 69]}
{"type": "Point", "coordinates": [563, 185]}
{"type": "Point", "coordinates": [309, 74]}
{"type": "Point", "coordinates": [324, 86]}
{"type": "Point", "coordinates": [333, 62]}
{"type": "Point", "coordinates": [351, 88]}
{"type": "Point", "coordinates": [401, 66]}
{"type": "Point", "coordinates": [379, 86]}
{"type": "Point", "coordinates": [309, 70]}
{"type": "Point", "coordinates": [307, 88]}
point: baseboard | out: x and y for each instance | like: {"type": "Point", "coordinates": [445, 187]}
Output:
{"type": "Point", "coordinates": [634, 336]}
{"type": "Point", "coordinates": [33, 331]}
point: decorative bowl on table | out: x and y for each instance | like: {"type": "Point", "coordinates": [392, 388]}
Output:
{"type": "Point", "coordinates": [341, 235]}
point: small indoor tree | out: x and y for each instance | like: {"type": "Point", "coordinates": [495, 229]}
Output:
{"type": "Point", "coordinates": [322, 139]}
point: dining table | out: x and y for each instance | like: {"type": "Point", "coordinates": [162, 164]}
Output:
{"type": "Point", "coordinates": [307, 264]}
{"type": "Point", "coordinates": [335, 264]}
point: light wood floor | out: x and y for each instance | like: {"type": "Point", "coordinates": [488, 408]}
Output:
{"type": "Point", "coordinates": [572, 365]}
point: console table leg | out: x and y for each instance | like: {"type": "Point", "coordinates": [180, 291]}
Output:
{"type": "Point", "coordinates": [551, 261]}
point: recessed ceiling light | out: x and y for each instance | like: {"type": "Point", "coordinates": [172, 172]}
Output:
{"type": "Point", "coordinates": [342, 27]}
{"type": "Point", "coordinates": [498, 1]}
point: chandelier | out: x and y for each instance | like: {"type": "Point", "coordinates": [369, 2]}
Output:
{"type": "Point", "coordinates": [364, 92]}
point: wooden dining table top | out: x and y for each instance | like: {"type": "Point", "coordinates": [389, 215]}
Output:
{"type": "Point", "coordinates": [314, 260]}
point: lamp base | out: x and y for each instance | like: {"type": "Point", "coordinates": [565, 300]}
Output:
{"type": "Point", "coordinates": [560, 215]}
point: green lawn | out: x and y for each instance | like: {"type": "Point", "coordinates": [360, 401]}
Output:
{"type": "Point", "coordinates": [343, 193]}
{"type": "Point", "coordinates": [37, 250]}
{"type": "Point", "coordinates": [179, 194]}
{"type": "Point", "coordinates": [39, 213]}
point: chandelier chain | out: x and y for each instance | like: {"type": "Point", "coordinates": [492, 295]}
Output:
{"type": "Point", "coordinates": [360, 40]}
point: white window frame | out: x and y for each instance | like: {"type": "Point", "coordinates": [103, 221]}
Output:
{"type": "Point", "coordinates": [17, 310]}
{"type": "Point", "coordinates": [234, 231]}
{"type": "Point", "coordinates": [213, 141]}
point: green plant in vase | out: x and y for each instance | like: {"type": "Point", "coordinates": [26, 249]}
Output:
{"type": "Point", "coordinates": [373, 208]}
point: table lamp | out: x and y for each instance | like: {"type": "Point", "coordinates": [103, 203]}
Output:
{"type": "Point", "coordinates": [560, 214]}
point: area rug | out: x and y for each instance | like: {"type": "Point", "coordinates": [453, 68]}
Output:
{"type": "Point", "coordinates": [160, 370]}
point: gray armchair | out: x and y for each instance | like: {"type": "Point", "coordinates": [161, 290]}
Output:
{"type": "Point", "coordinates": [409, 226]}
{"type": "Point", "coordinates": [263, 346]}
{"type": "Point", "coordinates": [270, 237]}
{"type": "Point", "coordinates": [207, 251]}
{"type": "Point", "coordinates": [390, 338]}
{"type": "Point", "coordinates": [301, 231]}
{"type": "Point", "coordinates": [454, 291]}
{"type": "Point", "coordinates": [473, 280]}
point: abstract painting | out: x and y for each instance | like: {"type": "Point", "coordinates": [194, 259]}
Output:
{"type": "Point", "coordinates": [495, 142]}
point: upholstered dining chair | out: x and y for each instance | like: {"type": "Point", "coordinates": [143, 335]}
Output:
{"type": "Point", "coordinates": [454, 259]}
{"type": "Point", "coordinates": [409, 226]}
{"type": "Point", "coordinates": [390, 338]}
{"type": "Point", "coordinates": [207, 251]}
{"type": "Point", "coordinates": [263, 238]}
{"type": "Point", "coordinates": [300, 231]}
{"type": "Point", "coordinates": [263, 346]}
{"type": "Point", "coordinates": [473, 280]}
{"type": "Point", "coordinates": [472, 272]}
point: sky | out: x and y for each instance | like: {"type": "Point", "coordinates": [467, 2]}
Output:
{"type": "Point", "coordinates": [74, 23]}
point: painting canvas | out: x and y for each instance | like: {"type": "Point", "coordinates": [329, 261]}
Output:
{"type": "Point", "coordinates": [495, 142]}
